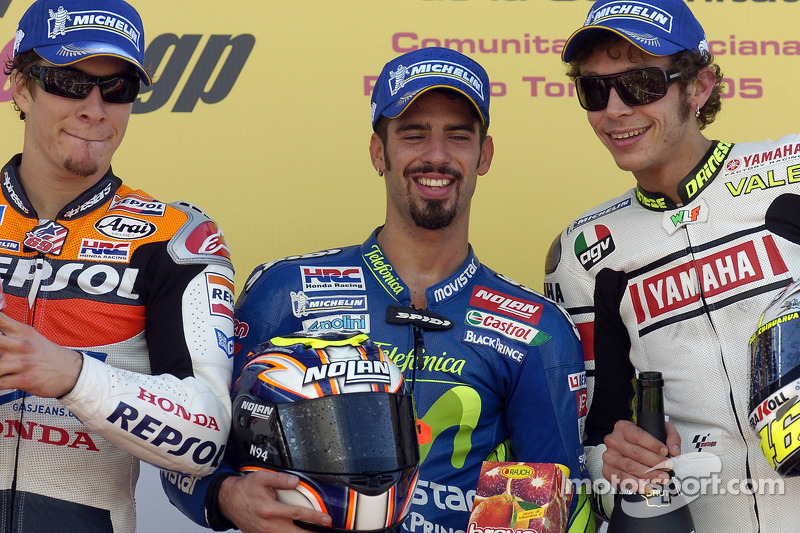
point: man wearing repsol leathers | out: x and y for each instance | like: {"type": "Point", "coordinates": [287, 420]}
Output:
{"type": "Point", "coordinates": [673, 275]}
{"type": "Point", "coordinates": [489, 361]}
{"type": "Point", "coordinates": [117, 328]}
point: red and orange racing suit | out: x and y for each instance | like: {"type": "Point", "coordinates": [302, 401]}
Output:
{"type": "Point", "coordinates": [145, 290]}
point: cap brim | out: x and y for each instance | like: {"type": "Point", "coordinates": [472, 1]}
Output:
{"type": "Point", "coordinates": [426, 89]}
{"type": "Point", "coordinates": [581, 35]}
{"type": "Point", "coordinates": [61, 56]}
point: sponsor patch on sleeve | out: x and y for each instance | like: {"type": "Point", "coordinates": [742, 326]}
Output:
{"type": "Point", "coordinates": [220, 295]}
{"type": "Point", "coordinates": [577, 384]}
{"type": "Point", "coordinates": [224, 342]}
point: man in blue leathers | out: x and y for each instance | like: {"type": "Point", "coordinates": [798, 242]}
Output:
{"type": "Point", "coordinates": [491, 362]}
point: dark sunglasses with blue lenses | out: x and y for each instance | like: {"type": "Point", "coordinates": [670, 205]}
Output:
{"type": "Point", "coordinates": [71, 83]}
{"type": "Point", "coordinates": [634, 87]}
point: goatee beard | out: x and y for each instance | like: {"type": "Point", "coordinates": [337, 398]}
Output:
{"type": "Point", "coordinates": [80, 168]}
{"type": "Point", "coordinates": [433, 214]}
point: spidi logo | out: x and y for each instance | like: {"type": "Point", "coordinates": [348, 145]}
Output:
{"type": "Point", "coordinates": [195, 67]}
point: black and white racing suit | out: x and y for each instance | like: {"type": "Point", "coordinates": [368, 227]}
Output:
{"type": "Point", "coordinates": [145, 290]}
{"type": "Point", "coordinates": [679, 289]}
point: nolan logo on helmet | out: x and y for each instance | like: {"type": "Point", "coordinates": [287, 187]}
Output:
{"type": "Point", "coordinates": [353, 372]}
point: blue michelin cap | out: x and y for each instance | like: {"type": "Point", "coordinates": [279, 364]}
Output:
{"type": "Point", "coordinates": [659, 27]}
{"type": "Point", "coordinates": [409, 75]}
{"type": "Point", "coordinates": [64, 32]}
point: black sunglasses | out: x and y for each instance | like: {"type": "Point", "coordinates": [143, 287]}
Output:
{"type": "Point", "coordinates": [634, 87]}
{"type": "Point", "coordinates": [71, 83]}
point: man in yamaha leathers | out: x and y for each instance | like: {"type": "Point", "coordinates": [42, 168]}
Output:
{"type": "Point", "coordinates": [673, 275]}
{"type": "Point", "coordinates": [117, 322]}
{"type": "Point", "coordinates": [489, 361]}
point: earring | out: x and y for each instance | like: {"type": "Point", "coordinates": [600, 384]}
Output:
{"type": "Point", "coordinates": [379, 171]}
{"type": "Point", "coordinates": [697, 113]}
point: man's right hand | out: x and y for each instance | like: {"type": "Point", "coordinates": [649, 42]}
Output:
{"type": "Point", "coordinates": [250, 502]}
{"type": "Point", "coordinates": [632, 455]}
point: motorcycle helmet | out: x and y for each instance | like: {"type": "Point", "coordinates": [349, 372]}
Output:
{"type": "Point", "coordinates": [775, 381]}
{"type": "Point", "coordinates": [330, 408]}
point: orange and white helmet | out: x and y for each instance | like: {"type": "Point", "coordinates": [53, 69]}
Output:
{"type": "Point", "coordinates": [331, 409]}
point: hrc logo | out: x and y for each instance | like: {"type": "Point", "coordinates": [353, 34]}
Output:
{"type": "Point", "coordinates": [332, 278]}
{"type": "Point", "coordinates": [95, 250]}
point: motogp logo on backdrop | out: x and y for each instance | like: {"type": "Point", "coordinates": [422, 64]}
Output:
{"type": "Point", "coordinates": [212, 74]}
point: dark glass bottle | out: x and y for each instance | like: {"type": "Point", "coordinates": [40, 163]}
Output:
{"type": "Point", "coordinates": [665, 509]}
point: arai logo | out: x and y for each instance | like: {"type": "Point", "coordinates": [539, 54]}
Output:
{"type": "Point", "coordinates": [122, 227]}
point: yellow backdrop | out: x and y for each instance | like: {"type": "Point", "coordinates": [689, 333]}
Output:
{"type": "Point", "coordinates": [260, 112]}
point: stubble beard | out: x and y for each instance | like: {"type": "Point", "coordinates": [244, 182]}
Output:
{"type": "Point", "coordinates": [684, 112]}
{"type": "Point", "coordinates": [80, 168]}
{"type": "Point", "coordinates": [685, 109]}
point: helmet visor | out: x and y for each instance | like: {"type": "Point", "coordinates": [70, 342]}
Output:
{"type": "Point", "coordinates": [775, 357]}
{"type": "Point", "coordinates": [350, 433]}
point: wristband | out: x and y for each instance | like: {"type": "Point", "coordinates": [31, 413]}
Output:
{"type": "Point", "coordinates": [214, 517]}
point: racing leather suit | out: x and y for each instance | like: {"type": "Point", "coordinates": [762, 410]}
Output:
{"type": "Point", "coordinates": [509, 368]}
{"type": "Point", "coordinates": [145, 290]}
{"type": "Point", "coordinates": [679, 289]}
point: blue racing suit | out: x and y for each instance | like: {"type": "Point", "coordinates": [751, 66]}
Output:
{"type": "Point", "coordinates": [509, 370]}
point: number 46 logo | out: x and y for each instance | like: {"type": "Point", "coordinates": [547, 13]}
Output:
{"type": "Point", "coordinates": [780, 440]}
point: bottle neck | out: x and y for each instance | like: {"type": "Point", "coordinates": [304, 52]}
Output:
{"type": "Point", "coordinates": [650, 405]}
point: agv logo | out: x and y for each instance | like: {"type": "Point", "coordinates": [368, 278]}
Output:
{"type": "Point", "coordinates": [593, 245]}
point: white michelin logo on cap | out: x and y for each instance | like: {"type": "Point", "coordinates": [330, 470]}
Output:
{"type": "Point", "coordinates": [60, 19]}
{"type": "Point", "coordinates": [93, 20]}
{"type": "Point", "coordinates": [399, 76]}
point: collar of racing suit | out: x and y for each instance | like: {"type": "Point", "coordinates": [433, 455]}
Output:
{"type": "Point", "coordinates": [709, 166]}
{"type": "Point", "coordinates": [86, 202]}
